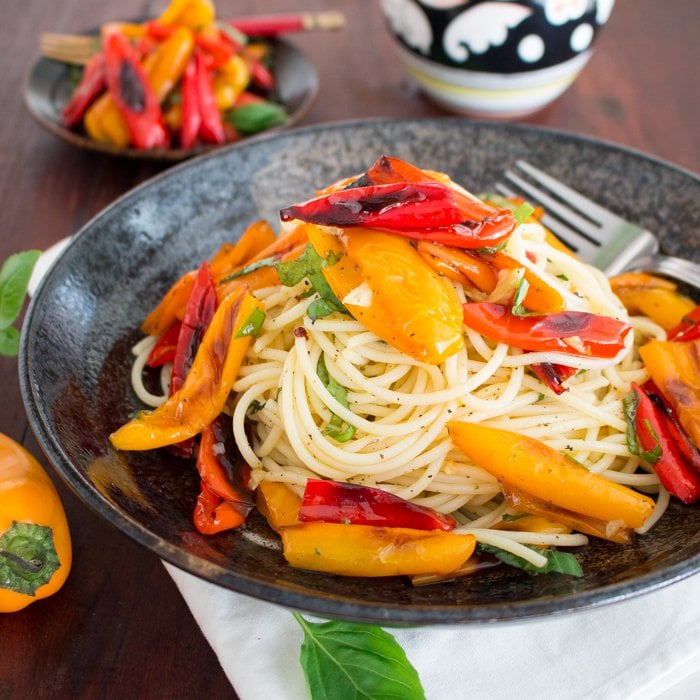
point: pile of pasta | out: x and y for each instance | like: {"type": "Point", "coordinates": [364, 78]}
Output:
{"type": "Point", "coordinates": [348, 395]}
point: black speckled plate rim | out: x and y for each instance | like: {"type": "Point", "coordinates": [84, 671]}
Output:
{"type": "Point", "coordinates": [325, 604]}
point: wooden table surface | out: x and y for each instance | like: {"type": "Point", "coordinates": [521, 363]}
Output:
{"type": "Point", "coordinates": [119, 628]}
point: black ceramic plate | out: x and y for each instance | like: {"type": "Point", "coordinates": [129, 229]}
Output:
{"type": "Point", "coordinates": [49, 87]}
{"type": "Point", "coordinates": [75, 361]}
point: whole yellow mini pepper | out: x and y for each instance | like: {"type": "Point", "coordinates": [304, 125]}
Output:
{"type": "Point", "coordinates": [35, 544]}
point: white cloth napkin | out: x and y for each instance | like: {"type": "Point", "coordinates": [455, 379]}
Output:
{"type": "Point", "coordinates": [646, 647]}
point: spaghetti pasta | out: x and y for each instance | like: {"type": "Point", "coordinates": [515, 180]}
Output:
{"type": "Point", "coordinates": [387, 427]}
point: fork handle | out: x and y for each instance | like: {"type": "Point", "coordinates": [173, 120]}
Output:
{"type": "Point", "coordinates": [685, 271]}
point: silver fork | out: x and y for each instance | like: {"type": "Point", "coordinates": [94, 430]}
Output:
{"type": "Point", "coordinates": [596, 234]}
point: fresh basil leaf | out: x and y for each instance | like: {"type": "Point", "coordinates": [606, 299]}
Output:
{"type": "Point", "coordinates": [253, 324]}
{"type": "Point", "coordinates": [310, 265]}
{"type": "Point", "coordinates": [518, 309]}
{"type": "Point", "coordinates": [337, 428]}
{"type": "Point", "coordinates": [347, 661]}
{"type": "Point", "coordinates": [28, 557]}
{"type": "Point", "coordinates": [14, 279]}
{"type": "Point", "coordinates": [520, 211]}
{"type": "Point", "coordinates": [256, 116]}
{"type": "Point", "coordinates": [257, 265]}
{"type": "Point", "coordinates": [9, 342]}
{"type": "Point", "coordinates": [557, 561]}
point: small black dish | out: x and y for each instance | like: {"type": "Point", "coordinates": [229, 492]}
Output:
{"type": "Point", "coordinates": [49, 87]}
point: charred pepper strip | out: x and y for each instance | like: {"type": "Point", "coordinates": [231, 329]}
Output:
{"type": "Point", "coordinates": [199, 312]}
{"type": "Point", "coordinates": [590, 334]}
{"type": "Point", "coordinates": [396, 206]}
{"type": "Point", "coordinates": [164, 349]}
{"type": "Point", "coordinates": [649, 437]}
{"type": "Point", "coordinates": [129, 86]}
{"type": "Point", "coordinates": [337, 502]}
{"type": "Point", "coordinates": [211, 129]}
{"type": "Point", "coordinates": [221, 504]}
{"type": "Point", "coordinates": [191, 116]}
{"type": "Point", "coordinates": [92, 84]}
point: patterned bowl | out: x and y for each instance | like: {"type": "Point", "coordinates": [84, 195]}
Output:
{"type": "Point", "coordinates": [495, 59]}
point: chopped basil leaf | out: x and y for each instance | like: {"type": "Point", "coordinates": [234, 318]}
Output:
{"type": "Point", "coordinates": [14, 280]}
{"type": "Point", "coordinates": [255, 406]}
{"type": "Point", "coordinates": [522, 213]}
{"type": "Point", "coordinates": [309, 265]}
{"type": "Point", "coordinates": [337, 428]}
{"type": "Point", "coordinates": [28, 557]}
{"type": "Point", "coordinates": [630, 404]}
{"type": "Point", "coordinates": [557, 561]}
{"type": "Point", "coordinates": [252, 325]}
{"type": "Point", "coordinates": [348, 661]}
{"type": "Point", "coordinates": [263, 262]}
{"type": "Point", "coordinates": [508, 518]}
{"type": "Point", "coordinates": [256, 116]}
{"type": "Point", "coordinates": [518, 309]}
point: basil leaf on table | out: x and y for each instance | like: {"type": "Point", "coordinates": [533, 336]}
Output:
{"type": "Point", "coordinates": [347, 661]}
{"type": "Point", "coordinates": [14, 279]}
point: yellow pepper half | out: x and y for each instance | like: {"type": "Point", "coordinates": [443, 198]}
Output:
{"type": "Point", "coordinates": [655, 297]}
{"type": "Point", "coordinates": [390, 289]}
{"type": "Point", "coordinates": [541, 471]}
{"type": "Point", "coordinates": [190, 13]}
{"type": "Point", "coordinates": [278, 504]}
{"type": "Point", "coordinates": [206, 388]}
{"type": "Point", "coordinates": [364, 550]}
{"type": "Point", "coordinates": [35, 544]}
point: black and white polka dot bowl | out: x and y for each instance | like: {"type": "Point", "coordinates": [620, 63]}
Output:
{"type": "Point", "coordinates": [495, 59]}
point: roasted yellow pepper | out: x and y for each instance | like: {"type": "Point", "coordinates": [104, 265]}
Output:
{"type": "Point", "coordinates": [391, 290]}
{"type": "Point", "coordinates": [364, 550]}
{"type": "Point", "coordinates": [35, 544]}
{"type": "Point", "coordinates": [541, 471]}
{"type": "Point", "coordinates": [206, 388]}
{"type": "Point", "coordinates": [279, 504]}
{"type": "Point", "coordinates": [191, 13]}
{"type": "Point", "coordinates": [655, 297]}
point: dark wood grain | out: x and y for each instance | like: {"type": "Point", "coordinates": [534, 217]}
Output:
{"type": "Point", "coordinates": [119, 627]}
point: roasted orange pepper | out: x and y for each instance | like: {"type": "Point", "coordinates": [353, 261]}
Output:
{"type": "Point", "coordinates": [655, 297]}
{"type": "Point", "coordinates": [675, 369]}
{"type": "Point", "coordinates": [206, 388]}
{"type": "Point", "coordinates": [364, 550]}
{"type": "Point", "coordinates": [395, 293]}
{"type": "Point", "coordinates": [35, 544]}
{"type": "Point", "coordinates": [230, 256]}
{"type": "Point", "coordinates": [539, 470]}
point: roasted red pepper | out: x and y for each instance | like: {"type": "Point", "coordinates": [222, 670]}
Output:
{"type": "Point", "coordinates": [426, 210]}
{"type": "Point", "coordinates": [553, 375]}
{"type": "Point", "coordinates": [650, 436]}
{"type": "Point", "coordinates": [199, 312]}
{"type": "Point", "coordinates": [129, 86]}
{"type": "Point", "coordinates": [164, 349]}
{"type": "Point", "coordinates": [496, 224]}
{"type": "Point", "coordinates": [92, 84]}
{"type": "Point", "coordinates": [680, 438]}
{"type": "Point", "coordinates": [191, 117]}
{"type": "Point", "coordinates": [225, 499]}
{"type": "Point", "coordinates": [211, 129]}
{"type": "Point", "coordinates": [688, 329]}
{"type": "Point", "coordinates": [215, 49]}
{"type": "Point", "coordinates": [260, 75]}
{"type": "Point", "coordinates": [200, 115]}
{"type": "Point", "coordinates": [337, 502]}
{"type": "Point", "coordinates": [588, 334]}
